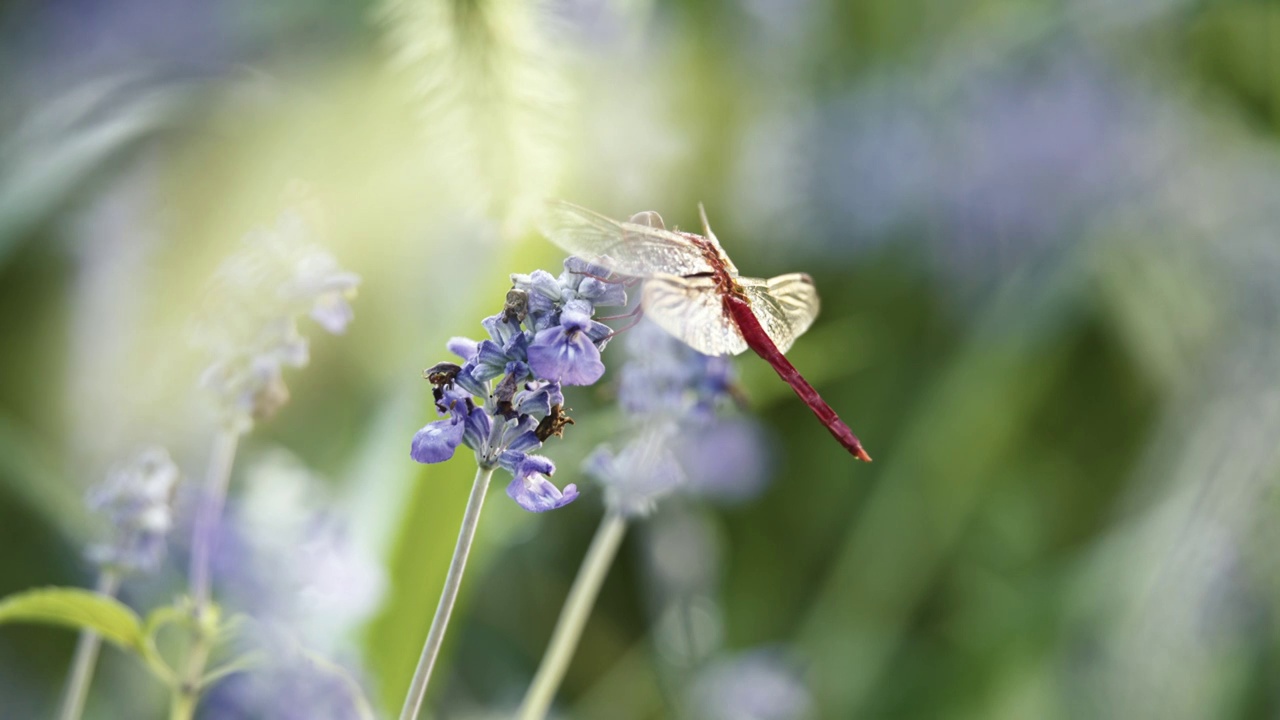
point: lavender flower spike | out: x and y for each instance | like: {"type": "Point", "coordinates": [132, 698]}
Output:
{"type": "Point", "coordinates": [248, 327]}
{"type": "Point", "coordinates": [640, 475]}
{"type": "Point", "coordinates": [505, 399]}
{"type": "Point", "coordinates": [136, 497]}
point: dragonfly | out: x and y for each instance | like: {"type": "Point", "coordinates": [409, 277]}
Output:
{"type": "Point", "coordinates": [692, 290]}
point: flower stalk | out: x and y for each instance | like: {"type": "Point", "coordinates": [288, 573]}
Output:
{"type": "Point", "coordinates": [573, 618]}
{"type": "Point", "coordinates": [86, 657]}
{"type": "Point", "coordinates": [186, 692]}
{"type": "Point", "coordinates": [448, 596]}
{"type": "Point", "coordinates": [208, 518]}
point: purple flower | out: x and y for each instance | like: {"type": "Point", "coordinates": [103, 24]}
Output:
{"type": "Point", "coordinates": [578, 266]}
{"type": "Point", "coordinates": [464, 348]}
{"type": "Point", "coordinates": [602, 294]}
{"type": "Point", "coordinates": [136, 497]}
{"type": "Point", "coordinates": [493, 360]}
{"type": "Point", "coordinates": [502, 330]}
{"type": "Point", "coordinates": [533, 491]}
{"type": "Point", "coordinates": [540, 283]}
{"type": "Point", "coordinates": [249, 325]}
{"type": "Point", "coordinates": [437, 441]}
{"type": "Point", "coordinates": [479, 427]}
{"type": "Point", "coordinates": [636, 478]}
{"type": "Point", "coordinates": [566, 354]}
{"type": "Point", "coordinates": [672, 394]}
{"type": "Point", "coordinates": [286, 555]}
{"type": "Point", "coordinates": [756, 685]}
{"type": "Point", "coordinates": [724, 460]}
{"type": "Point", "coordinates": [505, 399]}
{"type": "Point", "coordinates": [290, 684]}
{"type": "Point", "coordinates": [468, 381]}
{"type": "Point", "coordinates": [539, 401]}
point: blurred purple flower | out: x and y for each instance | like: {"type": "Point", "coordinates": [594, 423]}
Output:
{"type": "Point", "coordinates": [725, 461]}
{"type": "Point", "coordinates": [671, 394]}
{"type": "Point", "coordinates": [636, 478]}
{"type": "Point", "coordinates": [290, 684]}
{"type": "Point", "coordinates": [756, 685]}
{"type": "Point", "coordinates": [249, 325]}
{"type": "Point", "coordinates": [664, 378]}
{"type": "Point", "coordinates": [137, 499]}
{"type": "Point", "coordinates": [992, 165]}
{"type": "Point", "coordinates": [286, 557]}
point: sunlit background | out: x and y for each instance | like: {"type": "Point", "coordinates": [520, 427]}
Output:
{"type": "Point", "coordinates": [1045, 236]}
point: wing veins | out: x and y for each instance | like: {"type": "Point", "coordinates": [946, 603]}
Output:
{"type": "Point", "coordinates": [630, 249]}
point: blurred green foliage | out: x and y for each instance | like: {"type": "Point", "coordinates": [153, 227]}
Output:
{"type": "Point", "coordinates": [1063, 361]}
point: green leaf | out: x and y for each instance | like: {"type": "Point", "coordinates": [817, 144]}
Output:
{"type": "Point", "coordinates": [162, 617]}
{"type": "Point", "coordinates": [77, 608]}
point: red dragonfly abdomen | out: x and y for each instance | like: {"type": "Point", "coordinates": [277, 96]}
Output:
{"type": "Point", "coordinates": [758, 340]}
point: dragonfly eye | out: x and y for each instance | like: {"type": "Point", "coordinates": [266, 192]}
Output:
{"type": "Point", "coordinates": [649, 218]}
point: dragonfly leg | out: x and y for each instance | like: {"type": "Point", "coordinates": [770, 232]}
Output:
{"type": "Point", "coordinates": [633, 313]}
{"type": "Point", "coordinates": [635, 316]}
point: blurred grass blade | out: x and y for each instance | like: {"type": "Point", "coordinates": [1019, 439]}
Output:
{"type": "Point", "coordinates": [934, 480]}
{"type": "Point", "coordinates": [29, 470]}
{"type": "Point", "coordinates": [492, 96]}
{"type": "Point", "coordinates": [1194, 552]}
{"type": "Point", "coordinates": [66, 143]}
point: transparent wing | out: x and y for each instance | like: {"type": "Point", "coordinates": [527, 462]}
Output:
{"type": "Point", "coordinates": [785, 306]}
{"type": "Point", "coordinates": [627, 248]}
{"type": "Point", "coordinates": [691, 310]}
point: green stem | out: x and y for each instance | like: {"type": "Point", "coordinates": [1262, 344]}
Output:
{"type": "Point", "coordinates": [183, 706]}
{"type": "Point", "coordinates": [573, 618]}
{"type": "Point", "coordinates": [208, 517]}
{"type": "Point", "coordinates": [452, 581]}
{"type": "Point", "coordinates": [186, 692]}
{"type": "Point", "coordinates": [86, 657]}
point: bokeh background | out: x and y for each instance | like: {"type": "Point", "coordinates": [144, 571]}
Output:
{"type": "Point", "coordinates": [1045, 235]}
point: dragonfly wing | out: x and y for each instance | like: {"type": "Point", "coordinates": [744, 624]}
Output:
{"type": "Point", "coordinates": [638, 250]}
{"type": "Point", "coordinates": [690, 309]}
{"type": "Point", "coordinates": [785, 306]}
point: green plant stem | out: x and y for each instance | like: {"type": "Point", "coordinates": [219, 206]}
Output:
{"type": "Point", "coordinates": [186, 692]}
{"type": "Point", "coordinates": [452, 581]}
{"type": "Point", "coordinates": [208, 517]}
{"type": "Point", "coordinates": [573, 618]}
{"type": "Point", "coordinates": [86, 657]}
